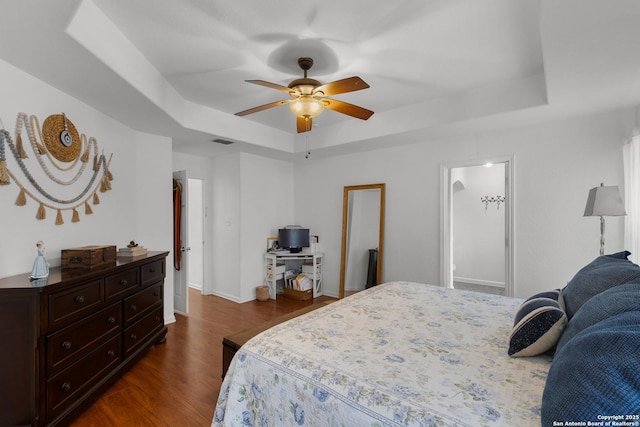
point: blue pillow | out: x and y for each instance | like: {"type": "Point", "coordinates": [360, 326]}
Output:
{"type": "Point", "coordinates": [608, 303]}
{"type": "Point", "coordinates": [596, 373]}
{"type": "Point", "coordinates": [601, 274]}
{"type": "Point", "coordinates": [538, 325]}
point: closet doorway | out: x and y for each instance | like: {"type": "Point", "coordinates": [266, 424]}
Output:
{"type": "Point", "coordinates": [188, 263]}
{"type": "Point", "coordinates": [477, 226]}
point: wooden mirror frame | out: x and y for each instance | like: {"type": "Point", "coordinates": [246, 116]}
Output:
{"type": "Point", "coordinates": [345, 211]}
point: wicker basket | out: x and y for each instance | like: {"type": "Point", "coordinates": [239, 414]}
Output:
{"type": "Point", "coordinates": [262, 293]}
{"type": "Point", "coordinates": [299, 295]}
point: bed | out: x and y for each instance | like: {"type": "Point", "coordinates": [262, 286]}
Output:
{"type": "Point", "coordinates": [410, 354]}
{"type": "Point", "coordinates": [397, 354]}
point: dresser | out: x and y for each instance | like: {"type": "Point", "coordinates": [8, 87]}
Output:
{"type": "Point", "coordinates": [64, 340]}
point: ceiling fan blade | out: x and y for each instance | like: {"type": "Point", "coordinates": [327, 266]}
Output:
{"type": "Point", "coordinates": [304, 124]}
{"type": "Point", "coordinates": [349, 84]}
{"type": "Point", "coordinates": [262, 107]}
{"type": "Point", "coordinates": [346, 108]}
{"type": "Point", "coordinates": [269, 85]}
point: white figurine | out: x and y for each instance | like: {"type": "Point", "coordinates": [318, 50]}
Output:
{"type": "Point", "coordinates": [40, 267]}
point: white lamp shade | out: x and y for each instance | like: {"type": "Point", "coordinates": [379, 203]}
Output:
{"type": "Point", "coordinates": [604, 201]}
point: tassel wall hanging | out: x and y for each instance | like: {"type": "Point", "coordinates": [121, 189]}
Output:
{"type": "Point", "coordinates": [56, 145]}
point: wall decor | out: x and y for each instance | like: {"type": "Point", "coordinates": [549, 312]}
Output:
{"type": "Point", "coordinates": [497, 200]}
{"type": "Point", "coordinates": [56, 177]}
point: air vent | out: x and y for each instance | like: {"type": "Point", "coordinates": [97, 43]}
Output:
{"type": "Point", "coordinates": [223, 141]}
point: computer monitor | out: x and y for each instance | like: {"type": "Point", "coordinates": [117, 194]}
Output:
{"type": "Point", "coordinates": [293, 239]}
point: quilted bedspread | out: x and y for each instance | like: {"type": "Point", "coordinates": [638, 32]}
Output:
{"type": "Point", "coordinates": [398, 354]}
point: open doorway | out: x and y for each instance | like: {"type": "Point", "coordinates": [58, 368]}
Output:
{"type": "Point", "coordinates": [477, 229]}
{"type": "Point", "coordinates": [188, 248]}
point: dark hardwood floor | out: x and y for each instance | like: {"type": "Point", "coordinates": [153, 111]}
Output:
{"type": "Point", "coordinates": [177, 383]}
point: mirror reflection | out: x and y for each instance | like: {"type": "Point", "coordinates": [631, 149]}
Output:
{"type": "Point", "coordinates": [362, 237]}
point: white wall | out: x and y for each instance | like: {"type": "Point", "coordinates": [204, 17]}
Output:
{"type": "Point", "coordinates": [225, 216]}
{"type": "Point", "coordinates": [266, 199]}
{"type": "Point", "coordinates": [555, 166]}
{"type": "Point", "coordinates": [154, 204]}
{"type": "Point", "coordinates": [252, 196]}
{"type": "Point", "coordinates": [138, 207]}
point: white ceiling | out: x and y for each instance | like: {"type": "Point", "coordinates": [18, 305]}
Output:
{"type": "Point", "coordinates": [435, 67]}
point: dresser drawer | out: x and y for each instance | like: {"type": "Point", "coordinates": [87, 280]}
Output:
{"type": "Point", "coordinates": [71, 304]}
{"type": "Point", "coordinates": [138, 305]}
{"type": "Point", "coordinates": [152, 272]}
{"type": "Point", "coordinates": [72, 342]}
{"type": "Point", "coordinates": [64, 388]}
{"type": "Point", "coordinates": [138, 334]}
{"type": "Point", "coordinates": [122, 284]}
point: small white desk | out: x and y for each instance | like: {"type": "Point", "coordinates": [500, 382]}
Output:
{"type": "Point", "coordinates": [271, 274]}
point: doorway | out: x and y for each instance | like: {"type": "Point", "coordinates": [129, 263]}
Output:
{"type": "Point", "coordinates": [477, 225]}
{"type": "Point", "coordinates": [188, 248]}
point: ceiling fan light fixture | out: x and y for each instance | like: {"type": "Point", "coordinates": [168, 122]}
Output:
{"type": "Point", "coordinates": [309, 97]}
{"type": "Point", "coordinates": [306, 106]}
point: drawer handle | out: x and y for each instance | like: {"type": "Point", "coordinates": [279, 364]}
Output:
{"type": "Point", "coordinates": [157, 318]}
{"type": "Point", "coordinates": [152, 270]}
{"type": "Point", "coordinates": [65, 387]}
{"type": "Point", "coordinates": [123, 282]}
{"type": "Point", "coordinates": [133, 337]}
{"type": "Point", "coordinates": [111, 319]}
{"type": "Point", "coordinates": [133, 307]}
{"type": "Point", "coordinates": [79, 299]}
{"type": "Point", "coordinates": [111, 353]}
{"type": "Point", "coordinates": [155, 294]}
{"type": "Point", "coordinates": [66, 345]}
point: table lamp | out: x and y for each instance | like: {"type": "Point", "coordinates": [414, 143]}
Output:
{"type": "Point", "coordinates": [604, 201]}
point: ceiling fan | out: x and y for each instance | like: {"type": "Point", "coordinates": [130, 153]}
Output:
{"type": "Point", "coordinates": [308, 97]}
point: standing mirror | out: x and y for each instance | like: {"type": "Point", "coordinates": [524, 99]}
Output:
{"type": "Point", "coordinates": [362, 237]}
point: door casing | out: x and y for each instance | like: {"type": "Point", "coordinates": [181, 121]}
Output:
{"type": "Point", "coordinates": [446, 230]}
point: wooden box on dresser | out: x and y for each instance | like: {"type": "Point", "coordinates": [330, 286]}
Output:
{"type": "Point", "coordinates": [65, 339]}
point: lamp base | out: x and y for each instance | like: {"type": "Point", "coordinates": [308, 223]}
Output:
{"type": "Point", "coordinates": [601, 235]}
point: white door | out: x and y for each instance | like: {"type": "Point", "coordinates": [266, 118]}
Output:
{"type": "Point", "coordinates": [181, 243]}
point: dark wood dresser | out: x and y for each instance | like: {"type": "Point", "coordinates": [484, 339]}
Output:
{"type": "Point", "coordinates": [65, 339]}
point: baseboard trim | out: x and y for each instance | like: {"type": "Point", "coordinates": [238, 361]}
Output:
{"type": "Point", "coordinates": [479, 282]}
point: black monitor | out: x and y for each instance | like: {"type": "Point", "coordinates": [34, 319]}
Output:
{"type": "Point", "coordinates": [293, 239]}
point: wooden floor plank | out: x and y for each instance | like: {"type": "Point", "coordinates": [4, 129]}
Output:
{"type": "Point", "coordinates": [177, 383]}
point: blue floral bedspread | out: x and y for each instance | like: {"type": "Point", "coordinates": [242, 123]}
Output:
{"type": "Point", "coordinates": [398, 354]}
